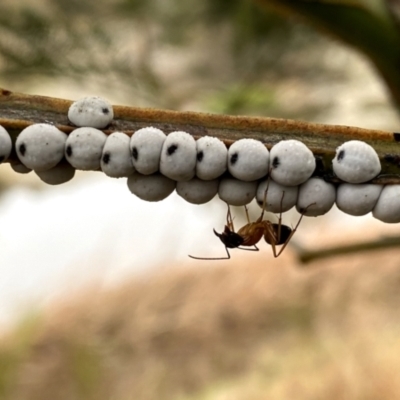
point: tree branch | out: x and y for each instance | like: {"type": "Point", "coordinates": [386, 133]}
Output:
{"type": "Point", "coordinates": [17, 111]}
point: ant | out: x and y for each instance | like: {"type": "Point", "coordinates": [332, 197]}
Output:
{"type": "Point", "coordinates": [249, 235]}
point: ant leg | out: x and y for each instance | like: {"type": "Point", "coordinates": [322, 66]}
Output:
{"type": "Point", "coordinates": [264, 206]}
{"type": "Point", "coordinates": [255, 248]}
{"type": "Point", "coordinates": [216, 258]}
{"type": "Point", "coordinates": [278, 239]}
{"type": "Point", "coordinates": [229, 219]}
{"type": "Point", "coordinates": [247, 214]}
{"type": "Point", "coordinates": [295, 229]}
{"type": "Point", "coordinates": [271, 235]}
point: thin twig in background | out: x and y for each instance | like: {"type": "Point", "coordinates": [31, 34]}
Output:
{"type": "Point", "coordinates": [306, 256]}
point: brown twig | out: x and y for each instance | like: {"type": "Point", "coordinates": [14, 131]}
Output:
{"type": "Point", "coordinates": [306, 256]}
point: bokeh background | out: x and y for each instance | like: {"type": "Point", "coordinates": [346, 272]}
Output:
{"type": "Point", "coordinates": [98, 299]}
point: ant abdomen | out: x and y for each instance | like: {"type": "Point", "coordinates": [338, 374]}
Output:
{"type": "Point", "coordinates": [281, 234]}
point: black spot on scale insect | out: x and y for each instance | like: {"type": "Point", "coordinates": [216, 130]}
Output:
{"type": "Point", "coordinates": [68, 151]}
{"type": "Point", "coordinates": [234, 158]}
{"type": "Point", "coordinates": [106, 158]}
{"type": "Point", "coordinates": [22, 149]}
{"type": "Point", "coordinates": [341, 155]}
{"type": "Point", "coordinates": [178, 156]}
{"type": "Point", "coordinates": [211, 158]}
{"type": "Point", "coordinates": [171, 149]}
{"type": "Point", "coordinates": [105, 110]}
{"type": "Point", "coordinates": [275, 162]}
{"type": "Point", "coordinates": [135, 153]}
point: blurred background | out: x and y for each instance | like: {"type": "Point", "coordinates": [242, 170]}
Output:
{"type": "Point", "coordinates": [98, 299]}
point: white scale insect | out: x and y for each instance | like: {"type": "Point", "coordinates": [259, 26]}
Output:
{"type": "Point", "coordinates": [235, 192]}
{"type": "Point", "coordinates": [20, 168]}
{"type": "Point", "coordinates": [61, 173]}
{"type": "Point", "coordinates": [5, 145]}
{"type": "Point", "coordinates": [92, 111]}
{"type": "Point", "coordinates": [116, 160]}
{"type": "Point", "coordinates": [197, 191]}
{"type": "Point", "coordinates": [146, 145]}
{"type": "Point", "coordinates": [358, 199]}
{"type": "Point", "coordinates": [212, 156]}
{"type": "Point", "coordinates": [178, 156]}
{"type": "Point", "coordinates": [279, 198]}
{"type": "Point", "coordinates": [292, 163]}
{"type": "Point", "coordinates": [318, 192]}
{"type": "Point", "coordinates": [84, 148]}
{"type": "Point", "coordinates": [155, 187]}
{"type": "Point", "coordinates": [40, 146]}
{"type": "Point", "coordinates": [387, 209]}
{"type": "Point", "coordinates": [248, 160]}
{"type": "Point", "coordinates": [356, 162]}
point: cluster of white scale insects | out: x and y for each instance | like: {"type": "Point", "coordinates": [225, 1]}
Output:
{"type": "Point", "coordinates": [156, 164]}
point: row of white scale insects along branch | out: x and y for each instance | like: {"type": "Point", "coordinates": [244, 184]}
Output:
{"type": "Point", "coordinates": [156, 164]}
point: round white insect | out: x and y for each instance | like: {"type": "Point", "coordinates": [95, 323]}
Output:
{"type": "Point", "coordinates": [356, 162]}
{"type": "Point", "coordinates": [154, 187]}
{"type": "Point", "coordinates": [116, 160]}
{"type": "Point", "coordinates": [316, 197]}
{"type": "Point", "coordinates": [40, 146]}
{"type": "Point", "coordinates": [146, 145]}
{"type": "Point", "coordinates": [248, 160]}
{"type": "Point", "coordinates": [5, 144]}
{"type": "Point", "coordinates": [84, 148]}
{"type": "Point", "coordinates": [291, 163]}
{"type": "Point", "coordinates": [387, 209]}
{"type": "Point", "coordinates": [212, 157]}
{"type": "Point", "coordinates": [61, 173]}
{"type": "Point", "coordinates": [92, 111]}
{"type": "Point", "coordinates": [236, 192]}
{"type": "Point", "coordinates": [178, 156]}
{"type": "Point", "coordinates": [279, 198]}
{"type": "Point", "coordinates": [20, 168]}
{"type": "Point", "coordinates": [358, 199]}
{"type": "Point", "coordinates": [197, 191]}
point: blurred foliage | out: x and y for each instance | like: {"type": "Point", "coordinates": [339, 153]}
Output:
{"type": "Point", "coordinates": [12, 356]}
{"type": "Point", "coordinates": [370, 26]}
{"type": "Point", "coordinates": [170, 53]}
{"type": "Point", "coordinates": [239, 331]}
{"type": "Point", "coordinates": [248, 99]}
{"type": "Point", "coordinates": [181, 53]}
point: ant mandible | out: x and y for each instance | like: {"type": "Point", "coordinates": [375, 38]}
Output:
{"type": "Point", "coordinates": [249, 235]}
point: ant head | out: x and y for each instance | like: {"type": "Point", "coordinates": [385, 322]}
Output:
{"type": "Point", "coordinates": [279, 239]}
{"type": "Point", "coordinates": [229, 238]}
